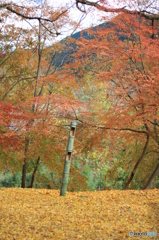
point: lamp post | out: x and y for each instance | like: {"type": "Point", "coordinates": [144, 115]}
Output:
{"type": "Point", "coordinates": [68, 158]}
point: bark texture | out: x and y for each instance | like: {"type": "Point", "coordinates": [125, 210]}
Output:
{"type": "Point", "coordinates": [152, 177]}
{"type": "Point", "coordinates": [25, 163]}
{"type": "Point", "coordinates": [33, 175]}
{"type": "Point", "coordinates": [137, 164]}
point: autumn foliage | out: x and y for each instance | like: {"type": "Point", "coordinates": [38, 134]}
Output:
{"type": "Point", "coordinates": [109, 85]}
{"type": "Point", "coordinates": [123, 66]}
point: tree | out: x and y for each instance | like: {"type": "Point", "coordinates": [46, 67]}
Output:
{"type": "Point", "coordinates": [128, 70]}
{"type": "Point", "coordinates": [33, 91]}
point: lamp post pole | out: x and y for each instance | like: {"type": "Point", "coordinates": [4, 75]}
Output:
{"type": "Point", "coordinates": [68, 158]}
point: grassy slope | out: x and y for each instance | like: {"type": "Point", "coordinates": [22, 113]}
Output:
{"type": "Point", "coordinates": [43, 214]}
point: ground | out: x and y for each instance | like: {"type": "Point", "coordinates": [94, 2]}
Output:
{"type": "Point", "coordinates": [43, 214]}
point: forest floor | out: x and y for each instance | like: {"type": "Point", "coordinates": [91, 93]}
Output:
{"type": "Point", "coordinates": [43, 214]}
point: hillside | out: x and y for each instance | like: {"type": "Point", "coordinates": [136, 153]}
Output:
{"type": "Point", "coordinates": [69, 44]}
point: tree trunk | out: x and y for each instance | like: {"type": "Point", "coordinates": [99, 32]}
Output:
{"type": "Point", "coordinates": [38, 70]}
{"type": "Point", "coordinates": [34, 107]}
{"type": "Point", "coordinates": [136, 165]}
{"type": "Point", "coordinates": [25, 163]}
{"type": "Point", "coordinates": [35, 169]}
{"type": "Point", "coordinates": [152, 178]}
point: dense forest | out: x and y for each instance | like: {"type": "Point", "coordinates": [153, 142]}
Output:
{"type": "Point", "coordinates": [106, 78]}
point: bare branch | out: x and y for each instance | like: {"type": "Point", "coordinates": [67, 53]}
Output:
{"type": "Point", "coordinates": [144, 13]}
{"type": "Point", "coordinates": [9, 8]}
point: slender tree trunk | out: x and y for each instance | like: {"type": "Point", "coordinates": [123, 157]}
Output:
{"type": "Point", "coordinates": [34, 107]}
{"type": "Point", "coordinates": [138, 162]}
{"type": "Point", "coordinates": [152, 178]}
{"type": "Point", "coordinates": [25, 163]}
{"type": "Point", "coordinates": [35, 169]}
{"type": "Point", "coordinates": [39, 61]}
